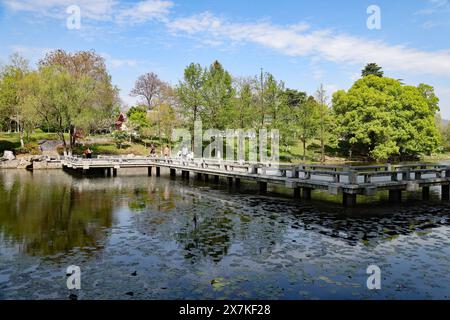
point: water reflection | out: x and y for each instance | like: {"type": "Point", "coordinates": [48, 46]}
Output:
{"type": "Point", "coordinates": [163, 238]}
{"type": "Point", "coordinates": [44, 214]}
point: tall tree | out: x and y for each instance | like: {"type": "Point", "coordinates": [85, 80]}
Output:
{"type": "Point", "coordinates": [382, 119]}
{"type": "Point", "coordinates": [217, 93]}
{"type": "Point", "coordinates": [150, 88]}
{"type": "Point", "coordinates": [10, 97]}
{"type": "Point", "coordinates": [301, 116]}
{"type": "Point", "coordinates": [60, 99]}
{"type": "Point", "coordinates": [102, 96]}
{"type": "Point", "coordinates": [189, 93]}
{"type": "Point", "coordinates": [245, 102]}
{"type": "Point", "coordinates": [372, 69]}
{"type": "Point", "coordinates": [324, 120]}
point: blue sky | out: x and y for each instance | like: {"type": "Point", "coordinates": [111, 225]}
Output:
{"type": "Point", "coordinates": [304, 43]}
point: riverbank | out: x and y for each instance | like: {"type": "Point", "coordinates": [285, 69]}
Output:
{"type": "Point", "coordinates": [48, 144]}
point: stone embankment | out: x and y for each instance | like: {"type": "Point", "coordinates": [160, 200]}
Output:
{"type": "Point", "coordinates": [9, 161]}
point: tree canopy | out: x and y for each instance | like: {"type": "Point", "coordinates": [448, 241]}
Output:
{"type": "Point", "coordinates": [383, 119]}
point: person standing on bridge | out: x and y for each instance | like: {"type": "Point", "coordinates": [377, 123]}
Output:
{"type": "Point", "coordinates": [152, 150]}
{"type": "Point", "coordinates": [88, 153]}
{"type": "Point", "coordinates": [184, 152]}
{"type": "Point", "coordinates": [166, 151]}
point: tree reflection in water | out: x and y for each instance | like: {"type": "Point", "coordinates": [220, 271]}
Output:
{"type": "Point", "coordinates": [44, 214]}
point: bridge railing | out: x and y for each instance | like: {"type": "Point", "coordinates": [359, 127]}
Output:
{"type": "Point", "coordinates": [342, 174]}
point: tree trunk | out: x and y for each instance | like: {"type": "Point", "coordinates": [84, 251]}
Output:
{"type": "Point", "coordinates": [22, 144]}
{"type": "Point", "coordinates": [71, 140]}
{"type": "Point", "coordinates": [304, 149]}
{"type": "Point", "coordinates": [322, 149]}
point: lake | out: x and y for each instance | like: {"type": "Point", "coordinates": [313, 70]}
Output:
{"type": "Point", "coordinates": [139, 237]}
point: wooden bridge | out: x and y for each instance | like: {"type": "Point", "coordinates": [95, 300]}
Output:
{"type": "Point", "coordinates": [349, 181]}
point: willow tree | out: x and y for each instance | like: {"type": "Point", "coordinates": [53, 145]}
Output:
{"type": "Point", "coordinates": [96, 107]}
{"type": "Point", "coordinates": [59, 98]}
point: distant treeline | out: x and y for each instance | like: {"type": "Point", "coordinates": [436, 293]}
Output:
{"type": "Point", "coordinates": [378, 118]}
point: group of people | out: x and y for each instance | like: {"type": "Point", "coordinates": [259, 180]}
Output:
{"type": "Point", "coordinates": [165, 152]}
{"type": "Point", "coordinates": [184, 153]}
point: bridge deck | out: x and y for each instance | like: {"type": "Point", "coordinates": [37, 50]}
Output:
{"type": "Point", "coordinates": [347, 180]}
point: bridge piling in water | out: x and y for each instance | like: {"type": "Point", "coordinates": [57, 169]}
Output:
{"type": "Point", "coordinates": [262, 187]}
{"type": "Point", "coordinates": [425, 193]}
{"type": "Point", "coordinates": [395, 196]}
{"type": "Point", "coordinates": [306, 193]}
{"type": "Point", "coordinates": [349, 199]}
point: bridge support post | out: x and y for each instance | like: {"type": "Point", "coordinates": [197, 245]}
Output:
{"type": "Point", "coordinates": [114, 171]}
{"type": "Point", "coordinates": [425, 193]}
{"type": "Point", "coordinates": [349, 199]}
{"type": "Point", "coordinates": [158, 171]}
{"type": "Point", "coordinates": [149, 171]}
{"type": "Point", "coordinates": [199, 176]}
{"type": "Point", "coordinates": [445, 192]}
{"type": "Point", "coordinates": [306, 193]}
{"type": "Point", "coordinates": [237, 182]}
{"type": "Point", "coordinates": [108, 172]}
{"type": "Point", "coordinates": [230, 182]}
{"type": "Point", "coordinates": [297, 193]}
{"type": "Point", "coordinates": [206, 177]}
{"type": "Point", "coordinates": [262, 187]}
{"type": "Point", "coordinates": [173, 172]}
{"type": "Point", "coordinates": [216, 179]}
{"type": "Point", "coordinates": [395, 195]}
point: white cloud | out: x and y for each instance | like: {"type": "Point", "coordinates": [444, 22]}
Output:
{"type": "Point", "coordinates": [145, 11]}
{"type": "Point", "coordinates": [117, 63]}
{"type": "Point", "coordinates": [97, 10]}
{"type": "Point", "coordinates": [324, 44]}
{"type": "Point", "coordinates": [435, 6]}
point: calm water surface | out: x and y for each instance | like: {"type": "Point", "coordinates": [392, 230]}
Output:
{"type": "Point", "coordinates": [136, 237]}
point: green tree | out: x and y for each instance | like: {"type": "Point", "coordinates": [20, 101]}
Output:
{"type": "Point", "coordinates": [137, 118]}
{"type": "Point", "coordinates": [244, 103]}
{"type": "Point", "coordinates": [382, 119]}
{"type": "Point", "coordinates": [217, 93]}
{"type": "Point", "coordinates": [189, 94]}
{"type": "Point", "coordinates": [372, 69]}
{"type": "Point", "coordinates": [98, 105]}
{"type": "Point", "coordinates": [11, 104]}
{"type": "Point", "coordinates": [300, 117]}
{"type": "Point", "coordinates": [61, 99]}
{"type": "Point", "coordinates": [324, 126]}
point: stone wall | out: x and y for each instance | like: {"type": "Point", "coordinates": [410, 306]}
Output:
{"type": "Point", "coordinates": [24, 163]}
